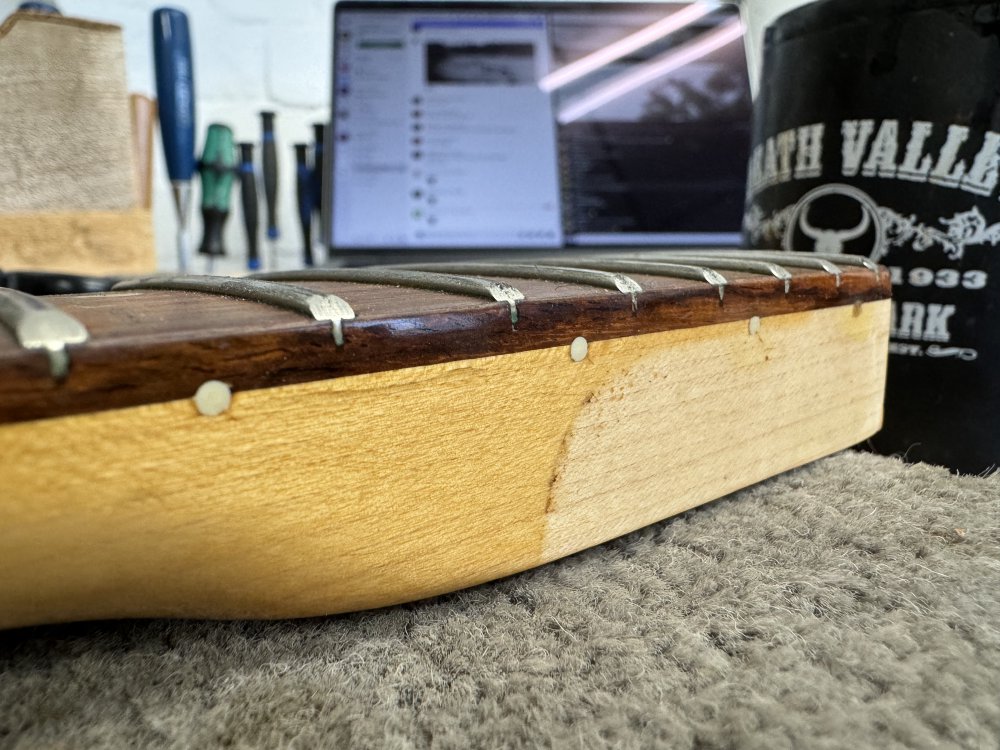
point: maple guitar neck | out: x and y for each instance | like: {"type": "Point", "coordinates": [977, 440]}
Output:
{"type": "Point", "coordinates": [315, 442]}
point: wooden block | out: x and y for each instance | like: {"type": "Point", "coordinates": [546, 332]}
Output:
{"type": "Point", "coordinates": [69, 197]}
{"type": "Point", "coordinates": [86, 242]}
{"type": "Point", "coordinates": [65, 127]}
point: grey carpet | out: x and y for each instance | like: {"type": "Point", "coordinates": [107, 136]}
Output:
{"type": "Point", "coordinates": [853, 603]}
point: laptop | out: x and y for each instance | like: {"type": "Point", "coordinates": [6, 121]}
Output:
{"type": "Point", "coordinates": [515, 129]}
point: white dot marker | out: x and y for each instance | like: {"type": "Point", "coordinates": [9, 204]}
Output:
{"type": "Point", "coordinates": [578, 349]}
{"type": "Point", "coordinates": [213, 398]}
{"type": "Point", "coordinates": [754, 325]}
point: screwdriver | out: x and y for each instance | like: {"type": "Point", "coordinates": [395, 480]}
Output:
{"type": "Point", "coordinates": [50, 9]}
{"type": "Point", "coordinates": [248, 197]}
{"type": "Point", "coordinates": [270, 158]}
{"type": "Point", "coordinates": [217, 168]}
{"type": "Point", "coordinates": [319, 135]}
{"type": "Point", "coordinates": [175, 92]}
{"type": "Point", "coordinates": [303, 192]}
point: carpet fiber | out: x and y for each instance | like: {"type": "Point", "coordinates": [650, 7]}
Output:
{"type": "Point", "coordinates": [852, 603]}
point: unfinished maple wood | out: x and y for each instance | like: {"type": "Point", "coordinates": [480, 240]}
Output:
{"type": "Point", "coordinates": [361, 491]}
{"type": "Point", "coordinates": [143, 111]}
{"type": "Point", "coordinates": [97, 243]}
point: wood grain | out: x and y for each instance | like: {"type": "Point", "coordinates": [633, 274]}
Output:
{"type": "Point", "coordinates": [97, 243]}
{"type": "Point", "coordinates": [366, 490]}
{"type": "Point", "coordinates": [709, 420]}
{"type": "Point", "coordinates": [143, 111]}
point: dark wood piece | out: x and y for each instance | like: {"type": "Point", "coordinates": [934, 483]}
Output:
{"type": "Point", "coordinates": [155, 346]}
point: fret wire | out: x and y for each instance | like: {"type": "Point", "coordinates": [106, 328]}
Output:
{"type": "Point", "coordinates": [471, 286]}
{"type": "Point", "coordinates": [795, 260]}
{"type": "Point", "coordinates": [725, 263]}
{"type": "Point", "coordinates": [317, 305]}
{"type": "Point", "coordinates": [783, 256]}
{"type": "Point", "coordinates": [39, 325]}
{"type": "Point", "coordinates": [583, 276]}
{"type": "Point", "coordinates": [650, 268]}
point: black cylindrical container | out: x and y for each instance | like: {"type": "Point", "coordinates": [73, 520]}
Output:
{"type": "Point", "coordinates": [877, 132]}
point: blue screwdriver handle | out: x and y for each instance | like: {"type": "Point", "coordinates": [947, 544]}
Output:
{"type": "Point", "coordinates": [175, 90]}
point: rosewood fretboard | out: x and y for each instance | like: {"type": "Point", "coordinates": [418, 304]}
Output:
{"type": "Point", "coordinates": [157, 340]}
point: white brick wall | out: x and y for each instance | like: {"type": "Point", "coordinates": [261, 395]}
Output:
{"type": "Point", "coordinates": [249, 55]}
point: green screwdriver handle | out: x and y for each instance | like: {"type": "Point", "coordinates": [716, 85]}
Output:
{"type": "Point", "coordinates": [218, 169]}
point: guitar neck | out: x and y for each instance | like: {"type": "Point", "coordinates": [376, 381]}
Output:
{"type": "Point", "coordinates": [160, 341]}
{"type": "Point", "coordinates": [312, 443]}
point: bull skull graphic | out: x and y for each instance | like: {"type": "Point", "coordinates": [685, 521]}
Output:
{"type": "Point", "coordinates": [832, 240]}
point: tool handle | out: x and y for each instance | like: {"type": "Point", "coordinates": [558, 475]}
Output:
{"type": "Point", "coordinates": [218, 169]}
{"type": "Point", "coordinates": [270, 159]}
{"type": "Point", "coordinates": [303, 192]}
{"type": "Point", "coordinates": [175, 90]}
{"type": "Point", "coordinates": [249, 200]}
{"type": "Point", "coordinates": [50, 9]}
{"type": "Point", "coordinates": [319, 135]}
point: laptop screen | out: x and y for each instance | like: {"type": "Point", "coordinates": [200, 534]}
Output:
{"type": "Point", "coordinates": [536, 125]}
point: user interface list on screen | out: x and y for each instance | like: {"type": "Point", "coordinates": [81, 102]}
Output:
{"type": "Point", "coordinates": [537, 126]}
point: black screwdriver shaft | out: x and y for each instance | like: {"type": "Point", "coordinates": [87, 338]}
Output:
{"type": "Point", "coordinates": [270, 161]}
{"type": "Point", "coordinates": [249, 200]}
{"type": "Point", "coordinates": [303, 192]}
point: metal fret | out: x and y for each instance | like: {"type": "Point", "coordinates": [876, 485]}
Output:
{"type": "Point", "coordinates": [38, 324]}
{"type": "Point", "coordinates": [781, 257]}
{"type": "Point", "coordinates": [650, 268]}
{"type": "Point", "coordinates": [470, 286]}
{"type": "Point", "coordinates": [725, 263]}
{"type": "Point", "coordinates": [317, 305]}
{"type": "Point", "coordinates": [583, 276]}
{"type": "Point", "coordinates": [795, 260]}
